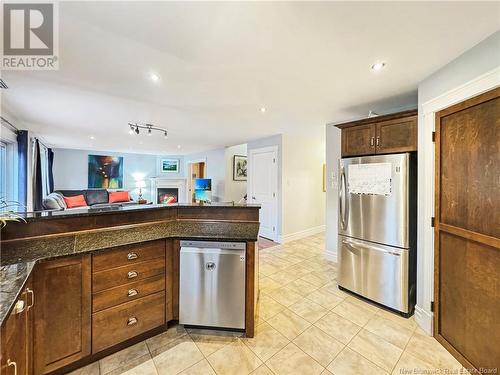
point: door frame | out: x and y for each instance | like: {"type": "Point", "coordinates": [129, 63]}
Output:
{"type": "Point", "coordinates": [251, 153]}
{"type": "Point", "coordinates": [189, 175]}
{"type": "Point", "coordinates": [426, 175]}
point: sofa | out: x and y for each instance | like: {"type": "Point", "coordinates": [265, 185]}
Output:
{"type": "Point", "coordinates": [94, 198]}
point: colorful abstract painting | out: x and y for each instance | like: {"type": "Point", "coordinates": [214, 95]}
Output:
{"type": "Point", "coordinates": [105, 172]}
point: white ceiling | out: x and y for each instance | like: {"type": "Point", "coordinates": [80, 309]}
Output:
{"type": "Point", "coordinates": [308, 63]}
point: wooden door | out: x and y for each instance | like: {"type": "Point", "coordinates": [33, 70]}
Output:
{"type": "Point", "coordinates": [396, 136]}
{"type": "Point", "coordinates": [15, 354]}
{"type": "Point", "coordinates": [358, 140]}
{"type": "Point", "coordinates": [62, 312]}
{"type": "Point", "coordinates": [467, 231]}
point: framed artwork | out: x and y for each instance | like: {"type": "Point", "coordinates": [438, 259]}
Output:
{"type": "Point", "coordinates": [105, 172]}
{"type": "Point", "coordinates": [239, 168]}
{"type": "Point", "coordinates": [169, 166]}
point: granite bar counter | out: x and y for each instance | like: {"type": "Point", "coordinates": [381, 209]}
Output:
{"type": "Point", "coordinates": [52, 234]}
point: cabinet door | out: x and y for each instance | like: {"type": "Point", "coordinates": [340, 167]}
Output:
{"type": "Point", "coordinates": [397, 136]}
{"type": "Point", "coordinates": [358, 140]}
{"type": "Point", "coordinates": [62, 312]}
{"type": "Point", "coordinates": [14, 336]}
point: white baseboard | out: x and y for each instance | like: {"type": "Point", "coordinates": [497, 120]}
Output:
{"type": "Point", "coordinates": [302, 234]}
{"type": "Point", "coordinates": [423, 319]}
{"type": "Point", "coordinates": [331, 255]}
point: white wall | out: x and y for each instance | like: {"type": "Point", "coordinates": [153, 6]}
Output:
{"type": "Point", "coordinates": [71, 170]}
{"type": "Point", "coordinates": [234, 190]}
{"type": "Point", "coordinates": [216, 170]}
{"type": "Point", "coordinates": [476, 62]}
{"type": "Point", "coordinates": [303, 196]}
{"type": "Point", "coordinates": [332, 190]}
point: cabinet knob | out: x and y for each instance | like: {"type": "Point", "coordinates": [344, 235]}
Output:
{"type": "Point", "coordinates": [132, 256]}
{"type": "Point", "coordinates": [378, 141]}
{"type": "Point", "coordinates": [372, 141]}
{"type": "Point", "coordinates": [13, 364]}
{"type": "Point", "coordinates": [132, 292]}
{"type": "Point", "coordinates": [18, 308]}
{"type": "Point", "coordinates": [132, 274]}
{"type": "Point", "coordinates": [131, 321]}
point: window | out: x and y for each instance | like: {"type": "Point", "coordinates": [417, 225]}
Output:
{"type": "Point", "coordinates": [3, 170]}
{"type": "Point", "coordinates": [8, 170]}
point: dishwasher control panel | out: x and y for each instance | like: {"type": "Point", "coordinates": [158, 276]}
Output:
{"type": "Point", "coordinates": [214, 245]}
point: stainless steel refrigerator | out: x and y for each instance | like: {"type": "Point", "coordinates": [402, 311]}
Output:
{"type": "Point", "coordinates": [377, 229]}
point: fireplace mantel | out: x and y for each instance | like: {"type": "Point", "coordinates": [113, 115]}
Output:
{"type": "Point", "coordinates": [162, 182]}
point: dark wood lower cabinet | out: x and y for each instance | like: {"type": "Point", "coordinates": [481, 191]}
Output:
{"type": "Point", "coordinates": [70, 313]}
{"type": "Point", "coordinates": [16, 349]}
{"type": "Point", "coordinates": [62, 312]}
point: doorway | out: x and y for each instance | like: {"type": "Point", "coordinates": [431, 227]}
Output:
{"type": "Point", "coordinates": [467, 230]}
{"type": "Point", "coordinates": [263, 188]}
{"type": "Point", "coordinates": [196, 169]}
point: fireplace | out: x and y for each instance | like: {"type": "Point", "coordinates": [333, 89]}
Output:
{"type": "Point", "coordinates": [167, 195]}
{"type": "Point", "coordinates": [171, 190]}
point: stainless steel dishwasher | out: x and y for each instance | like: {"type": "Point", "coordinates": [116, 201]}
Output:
{"type": "Point", "coordinates": [212, 284]}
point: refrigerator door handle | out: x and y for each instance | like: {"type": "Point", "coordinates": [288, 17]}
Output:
{"type": "Point", "coordinates": [349, 243]}
{"type": "Point", "coordinates": [343, 199]}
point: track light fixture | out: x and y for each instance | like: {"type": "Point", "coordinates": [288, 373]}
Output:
{"type": "Point", "coordinates": [134, 128]}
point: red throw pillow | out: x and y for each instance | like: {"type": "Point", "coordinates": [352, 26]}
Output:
{"type": "Point", "coordinates": [76, 201]}
{"type": "Point", "coordinates": [118, 196]}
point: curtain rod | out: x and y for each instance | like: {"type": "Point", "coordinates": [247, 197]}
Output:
{"type": "Point", "coordinates": [15, 129]}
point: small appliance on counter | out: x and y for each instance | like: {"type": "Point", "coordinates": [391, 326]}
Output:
{"type": "Point", "coordinates": [212, 284]}
{"type": "Point", "coordinates": [377, 229]}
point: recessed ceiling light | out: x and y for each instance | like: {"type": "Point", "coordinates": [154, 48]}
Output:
{"type": "Point", "coordinates": [262, 109]}
{"type": "Point", "coordinates": [155, 77]}
{"type": "Point", "coordinates": [378, 66]}
{"type": "Point", "coordinates": [179, 147]}
{"type": "Point", "coordinates": [92, 137]}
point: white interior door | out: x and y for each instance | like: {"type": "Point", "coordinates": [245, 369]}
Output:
{"type": "Point", "coordinates": [263, 186]}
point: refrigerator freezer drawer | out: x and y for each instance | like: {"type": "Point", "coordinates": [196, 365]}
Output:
{"type": "Point", "coordinates": [374, 271]}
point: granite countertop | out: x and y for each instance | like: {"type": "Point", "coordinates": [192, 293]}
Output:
{"type": "Point", "coordinates": [13, 277]}
{"type": "Point", "coordinates": [28, 216]}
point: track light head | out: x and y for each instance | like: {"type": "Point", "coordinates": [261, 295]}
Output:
{"type": "Point", "coordinates": [165, 134]}
{"type": "Point", "coordinates": [137, 130]}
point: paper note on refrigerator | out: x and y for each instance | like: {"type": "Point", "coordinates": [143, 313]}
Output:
{"type": "Point", "coordinates": [373, 178]}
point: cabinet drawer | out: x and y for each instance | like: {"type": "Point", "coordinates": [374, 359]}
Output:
{"type": "Point", "coordinates": [117, 324]}
{"type": "Point", "coordinates": [128, 292]}
{"type": "Point", "coordinates": [128, 254]}
{"type": "Point", "coordinates": [127, 274]}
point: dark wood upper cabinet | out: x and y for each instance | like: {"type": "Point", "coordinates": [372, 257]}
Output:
{"type": "Point", "coordinates": [62, 312]}
{"type": "Point", "coordinates": [396, 135]}
{"type": "Point", "coordinates": [358, 140]}
{"type": "Point", "coordinates": [386, 134]}
{"type": "Point", "coordinates": [16, 353]}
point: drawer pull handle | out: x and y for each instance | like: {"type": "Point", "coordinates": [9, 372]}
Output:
{"type": "Point", "coordinates": [132, 292]}
{"type": "Point", "coordinates": [131, 321]}
{"type": "Point", "coordinates": [19, 307]}
{"type": "Point", "coordinates": [13, 364]}
{"type": "Point", "coordinates": [132, 274]}
{"type": "Point", "coordinates": [132, 256]}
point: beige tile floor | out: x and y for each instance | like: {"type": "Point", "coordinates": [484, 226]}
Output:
{"type": "Point", "coordinates": [306, 325]}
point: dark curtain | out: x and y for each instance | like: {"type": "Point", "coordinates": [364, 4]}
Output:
{"type": "Point", "coordinates": [22, 157]}
{"type": "Point", "coordinates": [37, 179]}
{"type": "Point", "coordinates": [50, 157]}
